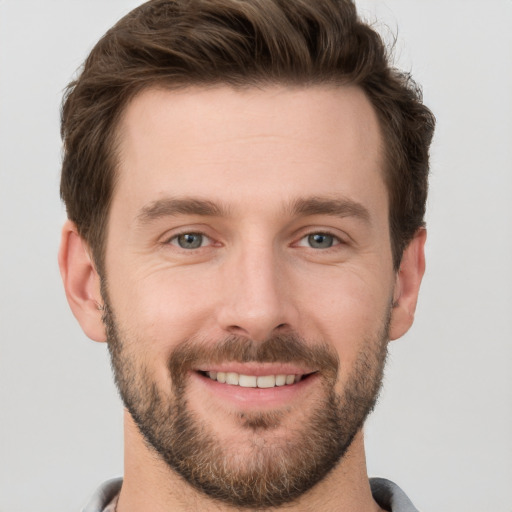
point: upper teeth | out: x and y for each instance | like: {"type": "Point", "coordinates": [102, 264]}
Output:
{"type": "Point", "coordinates": [252, 381]}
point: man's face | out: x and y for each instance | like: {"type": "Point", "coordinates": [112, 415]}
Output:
{"type": "Point", "coordinates": [248, 241]}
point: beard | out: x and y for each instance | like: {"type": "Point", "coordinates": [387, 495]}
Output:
{"type": "Point", "coordinates": [266, 470]}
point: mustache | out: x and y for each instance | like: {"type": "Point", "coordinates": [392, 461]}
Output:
{"type": "Point", "coordinates": [282, 348]}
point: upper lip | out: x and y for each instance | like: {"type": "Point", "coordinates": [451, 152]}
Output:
{"type": "Point", "coordinates": [256, 369]}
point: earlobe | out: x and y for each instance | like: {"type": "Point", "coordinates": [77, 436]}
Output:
{"type": "Point", "coordinates": [81, 282]}
{"type": "Point", "coordinates": [407, 285]}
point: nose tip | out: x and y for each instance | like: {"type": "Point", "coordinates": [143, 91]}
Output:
{"type": "Point", "coordinates": [258, 330]}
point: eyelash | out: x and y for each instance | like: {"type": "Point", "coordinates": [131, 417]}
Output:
{"type": "Point", "coordinates": [336, 241]}
{"type": "Point", "coordinates": [176, 237]}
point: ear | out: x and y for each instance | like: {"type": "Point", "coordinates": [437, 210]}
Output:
{"type": "Point", "coordinates": [81, 282]}
{"type": "Point", "coordinates": [407, 286]}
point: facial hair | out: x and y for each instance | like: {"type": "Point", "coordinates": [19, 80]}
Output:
{"type": "Point", "coordinates": [275, 471]}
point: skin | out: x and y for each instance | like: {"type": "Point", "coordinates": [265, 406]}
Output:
{"type": "Point", "coordinates": [254, 154]}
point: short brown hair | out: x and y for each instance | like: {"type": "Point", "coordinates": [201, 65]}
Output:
{"type": "Point", "coordinates": [176, 43]}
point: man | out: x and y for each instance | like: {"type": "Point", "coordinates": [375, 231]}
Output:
{"type": "Point", "coordinates": [245, 183]}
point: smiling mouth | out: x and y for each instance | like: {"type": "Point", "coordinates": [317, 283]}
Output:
{"type": "Point", "coordinates": [253, 381]}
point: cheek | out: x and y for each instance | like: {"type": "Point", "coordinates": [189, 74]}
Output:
{"type": "Point", "coordinates": [348, 311]}
{"type": "Point", "coordinates": [154, 316]}
{"type": "Point", "coordinates": [164, 307]}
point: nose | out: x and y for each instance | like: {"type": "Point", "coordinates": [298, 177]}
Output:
{"type": "Point", "coordinates": [257, 295]}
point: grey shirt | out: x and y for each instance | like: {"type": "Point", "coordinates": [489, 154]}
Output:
{"type": "Point", "coordinates": [387, 494]}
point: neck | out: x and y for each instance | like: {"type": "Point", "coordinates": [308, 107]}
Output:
{"type": "Point", "coordinates": [149, 484]}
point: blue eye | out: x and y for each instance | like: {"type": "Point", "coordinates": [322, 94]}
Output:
{"type": "Point", "coordinates": [189, 240]}
{"type": "Point", "coordinates": [321, 240]}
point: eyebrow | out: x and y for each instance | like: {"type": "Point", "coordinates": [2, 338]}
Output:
{"type": "Point", "coordinates": [309, 206]}
{"type": "Point", "coordinates": [170, 207]}
{"type": "Point", "coordinates": [330, 206]}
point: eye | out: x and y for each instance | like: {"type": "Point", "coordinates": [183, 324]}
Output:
{"type": "Point", "coordinates": [319, 241]}
{"type": "Point", "coordinates": [189, 240]}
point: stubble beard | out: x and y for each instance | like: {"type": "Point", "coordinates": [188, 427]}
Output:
{"type": "Point", "coordinates": [273, 470]}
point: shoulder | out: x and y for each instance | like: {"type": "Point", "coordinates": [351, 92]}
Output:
{"type": "Point", "coordinates": [103, 496]}
{"type": "Point", "coordinates": [388, 495]}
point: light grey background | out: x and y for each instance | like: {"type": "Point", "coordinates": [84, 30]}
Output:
{"type": "Point", "coordinates": [443, 427]}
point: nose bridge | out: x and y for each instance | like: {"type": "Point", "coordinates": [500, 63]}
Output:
{"type": "Point", "coordinates": [255, 302]}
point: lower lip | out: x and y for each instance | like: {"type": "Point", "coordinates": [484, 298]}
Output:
{"type": "Point", "coordinates": [257, 398]}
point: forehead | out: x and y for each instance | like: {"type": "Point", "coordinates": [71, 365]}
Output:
{"type": "Point", "coordinates": [269, 144]}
